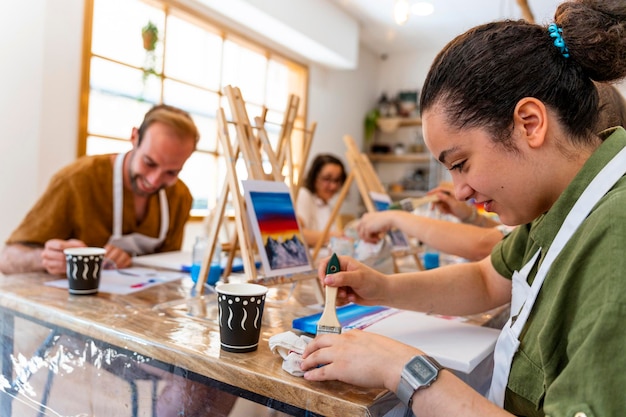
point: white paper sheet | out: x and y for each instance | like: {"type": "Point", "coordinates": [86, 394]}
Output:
{"type": "Point", "coordinates": [116, 282]}
{"type": "Point", "coordinates": [175, 261]}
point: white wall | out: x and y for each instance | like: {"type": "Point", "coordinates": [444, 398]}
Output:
{"type": "Point", "coordinates": [39, 76]}
{"type": "Point", "coordinates": [408, 70]}
{"type": "Point", "coordinates": [61, 73]}
{"type": "Point", "coordinates": [404, 71]}
{"type": "Point", "coordinates": [20, 79]}
{"type": "Point", "coordinates": [338, 102]}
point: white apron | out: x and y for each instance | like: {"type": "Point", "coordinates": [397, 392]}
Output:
{"type": "Point", "coordinates": [524, 296]}
{"type": "Point", "coordinates": [134, 243]}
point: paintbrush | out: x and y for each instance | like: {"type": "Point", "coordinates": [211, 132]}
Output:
{"type": "Point", "coordinates": [329, 322]}
{"type": "Point", "coordinates": [410, 204]}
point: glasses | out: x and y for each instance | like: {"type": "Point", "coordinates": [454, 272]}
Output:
{"type": "Point", "coordinates": [330, 180]}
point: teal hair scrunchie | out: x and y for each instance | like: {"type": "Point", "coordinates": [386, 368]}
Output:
{"type": "Point", "coordinates": [555, 32]}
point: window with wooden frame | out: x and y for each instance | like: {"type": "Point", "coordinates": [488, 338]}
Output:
{"type": "Point", "coordinates": [138, 53]}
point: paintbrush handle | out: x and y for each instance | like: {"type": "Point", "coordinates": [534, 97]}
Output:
{"type": "Point", "coordinates": [329, 322]}
{"type": "Point", "coordinates": [331, 298]}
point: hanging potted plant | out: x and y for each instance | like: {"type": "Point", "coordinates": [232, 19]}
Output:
{"type": "Point", "coordinates": [150, 37]}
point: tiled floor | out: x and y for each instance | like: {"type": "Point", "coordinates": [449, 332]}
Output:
{"type": "Point", "coordinates": [74, 394]}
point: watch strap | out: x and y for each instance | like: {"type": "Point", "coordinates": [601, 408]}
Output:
{"type": "Point", "coordinates": [406, 388]}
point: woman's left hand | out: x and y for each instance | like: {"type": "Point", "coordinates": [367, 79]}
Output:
{"type": "Point", "coordinates": [356, 357]}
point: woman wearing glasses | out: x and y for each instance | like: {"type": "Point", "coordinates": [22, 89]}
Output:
{"type": "Point", "coordinates": [315, 200]}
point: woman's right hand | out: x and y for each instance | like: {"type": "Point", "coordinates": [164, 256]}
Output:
{"type": "Point", "coordinates": [357, 283]}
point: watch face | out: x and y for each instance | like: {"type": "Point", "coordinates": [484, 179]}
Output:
{"type": "Point", "coordinates": [422, 370]}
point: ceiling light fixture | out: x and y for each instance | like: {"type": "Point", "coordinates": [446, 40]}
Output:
{"type": "Point", "coordinates": [402, 10]}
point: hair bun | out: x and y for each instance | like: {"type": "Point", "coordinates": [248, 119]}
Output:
{"type": "Point", "coordinates": [595, 34]}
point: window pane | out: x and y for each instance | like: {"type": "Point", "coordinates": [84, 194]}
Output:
{"type": "Point", "coordinates": [97, 146]}
{"type": "Point", "coordinates": [241, 170]}
{"type": "Point", "coordinates": [200, 175]}
{"type": "Point", "coordinates": [201, 104]}
{"type": "Point", "coordinates": [114, 116]}
{"type": "Point", "coordinates": [273, 121]}
{"type": "Point", "coordinates": [277, 85]}
{"type": "Point", "coordinates": [193, 54]}
{"type": "Point", "coordinates": [253, 111]}
{"type": "Point", "coordinates": [226, 107]}
{"type": "Point", "coordinates": [245, 69]}
{"type": "Point", "coordinates": [191, 99]}
{"type": "Point", "coordinates": [116, 79]}
{"type": "Point", "coordinates": [208, 132]}
{"type": "Point", "coordinates": [117, 28]}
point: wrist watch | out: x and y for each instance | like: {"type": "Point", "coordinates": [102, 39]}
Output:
{"type": "Point", "coordinates": [420, 372]}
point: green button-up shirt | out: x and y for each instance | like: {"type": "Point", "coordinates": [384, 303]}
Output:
{"type": "Point", "coordinates": [572, 353]}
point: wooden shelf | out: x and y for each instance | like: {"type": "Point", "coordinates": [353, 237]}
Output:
{"type": "Point", "coordinates": [404, 157]}
{"type": "Point", "coordinates": [404, 169]}
{"type": "Point", "coordinates": [401, 121]}
{"type": "Point", "coordinates": [410, 121]}
{"type": "Point", "coordinates": [391, 124]}
{"type": "Point", "coordinates": [399, 195]}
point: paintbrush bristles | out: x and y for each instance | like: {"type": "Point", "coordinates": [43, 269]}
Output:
{"type": "Point", "coordinates": [329, 322]}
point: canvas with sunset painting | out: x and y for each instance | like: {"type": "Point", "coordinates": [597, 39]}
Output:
{"type": "Point", "coordinates": [275, 226]}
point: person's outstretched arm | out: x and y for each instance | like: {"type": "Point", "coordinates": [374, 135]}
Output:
{"type": "Point", "coordinates": [464, 240]}
{"type": "Point", "coordinates": [22, 258]}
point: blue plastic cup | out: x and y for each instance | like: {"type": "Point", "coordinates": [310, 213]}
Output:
{"type": "Point", "coordinates": [431, 260]}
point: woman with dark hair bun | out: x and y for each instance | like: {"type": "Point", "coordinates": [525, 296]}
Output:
{"type": "Point", "coordinates": [511, 109]}
{"type": "Point", "coordinates": [315, 200]}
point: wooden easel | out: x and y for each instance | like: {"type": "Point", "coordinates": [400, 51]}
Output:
{"type": "Point", "coordinates": [307, 140]}
{"type": "Point", "coordinates": [362, 171]}
{"type": "Point", "coordinates": [366, 178]}
{"type": "Point", "coordinates": [285, 146]}
{"type": "Point", "coordinates": [250, 147]}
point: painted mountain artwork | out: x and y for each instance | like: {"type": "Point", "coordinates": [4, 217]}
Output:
{"type": "Point", "coordinates": [273, 220]}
